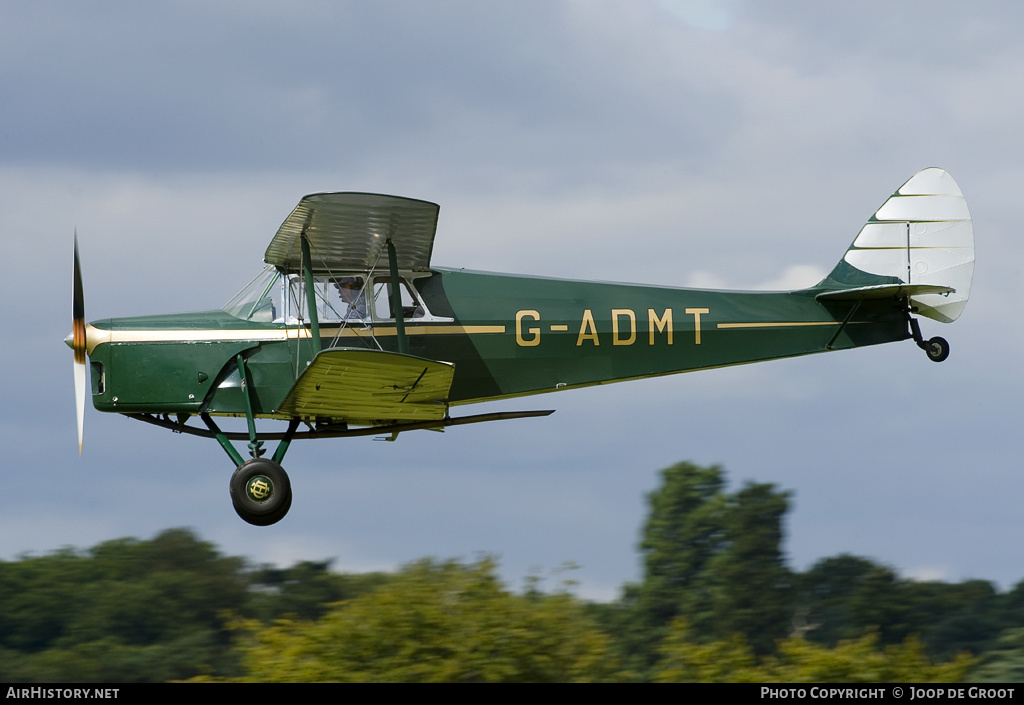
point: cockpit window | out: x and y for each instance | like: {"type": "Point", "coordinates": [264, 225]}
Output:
{"type": "Point", "coordinates": [274, 297]}
{"type": "Point", "coordinates": [384, 294]}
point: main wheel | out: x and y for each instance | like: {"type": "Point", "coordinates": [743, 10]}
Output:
{"type": "Point", "coordinates": [937, 349]}
{"type": "Point", "coordinates": [261, 492]}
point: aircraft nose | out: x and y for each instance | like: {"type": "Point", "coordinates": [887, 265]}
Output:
{"type": "Point", "coordinates": [70, 340]}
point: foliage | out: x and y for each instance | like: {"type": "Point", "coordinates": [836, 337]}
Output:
{"type": "Point", "coordinates": [305, 590]}
{"type": "Point", "coordinates": [683, 531]}
{"type": "Point", "coordinates": [714, 557]}
{"type": "Point", "coordinates": [686, 660]}
{"type": "Point", "coordinates": [843, 595]}
{"type": "Point", "coordinates": [435, 622]}
{"type": "Point", "coordinates": [840, 597]}
{"type": "Point", "coordinates": [716, 602]}
{"type": "Point", "coordinates": [750, 583]}
{"type": "Point", "coordinates": [797, 660]}
{"type": "Point", "coordinates": [1004, 663]}
{"type": "Point", "coordinates": [126, 610]}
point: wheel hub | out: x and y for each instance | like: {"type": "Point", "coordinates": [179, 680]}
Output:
{"type": "Point", "coordinates": [259, 488]}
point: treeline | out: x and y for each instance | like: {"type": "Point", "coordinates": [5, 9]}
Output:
{"type": "Point", "coordinates": [716, 603]}
{"type": "Point", "coordinates": [714, 572]}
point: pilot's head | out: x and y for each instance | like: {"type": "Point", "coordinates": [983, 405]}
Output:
{"type": "Point", "coordinates": [348, 287]}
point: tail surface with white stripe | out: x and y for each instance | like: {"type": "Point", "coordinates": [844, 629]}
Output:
{"type": "Point", "coordinates": [920, 241]}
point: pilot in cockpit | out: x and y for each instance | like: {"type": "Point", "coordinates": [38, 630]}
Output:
{"type": "Point", "coordinates": [353, 299]}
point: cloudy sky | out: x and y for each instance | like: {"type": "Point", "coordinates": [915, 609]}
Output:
{"type": "Point", "coordinates": [725, 144]}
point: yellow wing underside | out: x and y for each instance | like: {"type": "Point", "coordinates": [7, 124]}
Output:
{"type": "Point", "coordinates": [370, 387]}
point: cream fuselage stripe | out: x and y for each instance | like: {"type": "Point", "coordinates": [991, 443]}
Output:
{"type": "Point", "coordinates": [778, 324]}
{"type": "Point", "coordinates": [97, 336]}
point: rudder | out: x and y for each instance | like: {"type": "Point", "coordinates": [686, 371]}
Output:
{"type": "Point", "coordinates": [922, 235]}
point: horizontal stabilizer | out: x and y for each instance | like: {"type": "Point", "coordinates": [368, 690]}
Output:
{"type": "Point", "coordinates": [368, 387]}
{"type": "Point", "coordinates": [885, 291]}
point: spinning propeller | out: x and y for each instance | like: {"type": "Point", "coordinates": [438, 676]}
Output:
{"type": "Point", "coordinates": [77, 342]}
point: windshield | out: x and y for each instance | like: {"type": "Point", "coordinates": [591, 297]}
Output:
{"type": "Point", "coordinates": [256, 302]}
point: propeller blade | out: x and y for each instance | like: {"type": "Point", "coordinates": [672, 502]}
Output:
{"type": "Point", "coordinates": [78, 345]}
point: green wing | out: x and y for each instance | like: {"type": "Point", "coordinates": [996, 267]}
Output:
{"type": "Point", "coordinates": [370, 387]}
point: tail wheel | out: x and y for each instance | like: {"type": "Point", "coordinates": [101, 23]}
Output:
{"type": "Point", "coordinates": [261, 492]}
{"type": "Point", "coordinates": [937, 349]}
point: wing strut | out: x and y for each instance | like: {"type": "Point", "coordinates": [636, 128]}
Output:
{"type": "Point", "coordinates": [307, 271]}
{"type": "Point", "coordinates": [395, 294]}
{"type": "Point", "coordinates": [849, 316]}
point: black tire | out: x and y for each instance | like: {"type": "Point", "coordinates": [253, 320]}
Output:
{"type": "Point", "coordinates": [937, 349]}
{"type": "Point", "coordinates": [261, 492]}
{"type": "Point", "coordinates": [268, 519]}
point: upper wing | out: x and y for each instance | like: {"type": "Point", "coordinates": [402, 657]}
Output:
{"type": "Point", "coordinates": [369, 387]}
{"type": "Point", "coordinates": [349, 231]}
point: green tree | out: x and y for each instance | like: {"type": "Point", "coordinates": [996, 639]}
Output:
{"type": "Point", "coordinates": [684, 530]}
{"type": "Point", "coordinates": [1004, 663]}
{"type": "Point", "coordinates": [860, 661]}
{"type": "Point", "coordinates": [796, 660]}
{"type": "Point", "coordinates": [749, 581]}
{"type": "Point", "coordinates": [125, 610]}
{"type": "Point", "coordinates": [714, 558]}
{"type": "Point", "coordinates": [305, 590]}
{"type": "Point", "coordinates": [435, 622]}
{"type": "Point", "coordinates": [841, 597]}
{"type": "Point", "coordinates": [684, 659]}
{"type": "Point", "coordinates": [956, 617]}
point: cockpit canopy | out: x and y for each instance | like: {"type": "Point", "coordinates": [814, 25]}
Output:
{"type": "Point", "coordinates": [275, 297]}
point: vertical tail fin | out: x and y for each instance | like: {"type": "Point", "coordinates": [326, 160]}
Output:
{"type": "Point", "coordinates": [921, 235]}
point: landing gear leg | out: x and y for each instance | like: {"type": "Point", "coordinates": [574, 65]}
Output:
{"type": "Point", "coordinates": [936, 348]}
{"type": "Point", "coordinates": [261, 492]}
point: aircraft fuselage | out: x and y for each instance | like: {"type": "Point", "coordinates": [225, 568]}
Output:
{"type": "Point", "coordinates": [507, 336]}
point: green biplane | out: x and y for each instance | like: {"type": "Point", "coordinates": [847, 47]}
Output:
{"type": "Point", "coordinates": [350, 331]}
